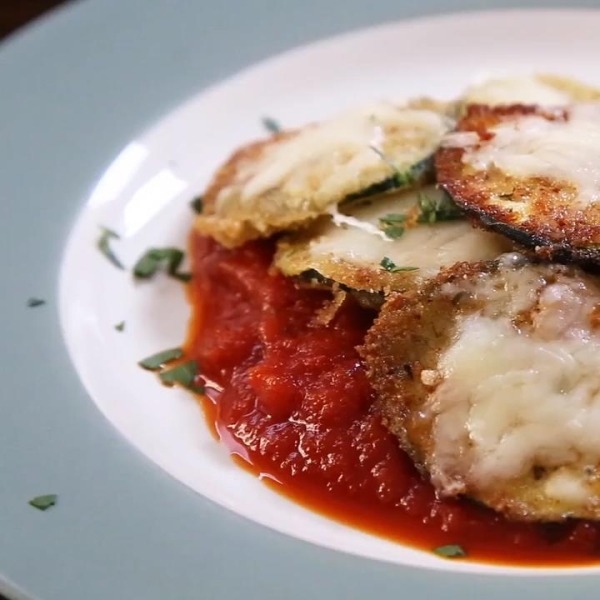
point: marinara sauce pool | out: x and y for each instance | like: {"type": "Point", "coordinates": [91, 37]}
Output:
{"type": "Point", "coordinates": [296, 405]}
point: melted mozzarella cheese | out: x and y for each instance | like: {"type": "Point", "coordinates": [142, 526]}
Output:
{"type": "Point", "coordinates": [566, 486]}
{"type": "Point", "coordinates": [531, 146]}
{"type": "Point", "coordinates": [356, 240]}
{"type": "Point", "coordinates": [427, 247]}
{"type": "Point", "coordinates": [519, 286]}
{"type": "Point", "coordinates": [326, 160]}
{"type": "Point", "coordinates": [348, 221]}
{"type": "Point", "coordinates": [516, 90]}
{"type": "Point", "coordinates": [511, 400]}
{"type": "Point", "coordinates": [460, 139]}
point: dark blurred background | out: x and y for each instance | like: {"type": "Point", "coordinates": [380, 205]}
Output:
{"type": "Point", "coordinates": [16, 13]}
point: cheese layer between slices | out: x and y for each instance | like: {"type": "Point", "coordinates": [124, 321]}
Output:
{"type": "Point", "coordinates": [348, 248]}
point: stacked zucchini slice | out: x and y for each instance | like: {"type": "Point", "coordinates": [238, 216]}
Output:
{"type": "Point", "coordinates": [473, 226]}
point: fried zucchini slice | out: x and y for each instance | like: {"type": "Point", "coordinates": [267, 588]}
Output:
{"type": "Point", "coordinates": [530, 173]}
{"type": "Point", "coordinates": [294, 177]}
{"type": "Point", "coordinates": [490, 378]}
{"type": "Point", "coordinates": [544, 90]}
{"type": "Point", "coordinates": [418, 231]}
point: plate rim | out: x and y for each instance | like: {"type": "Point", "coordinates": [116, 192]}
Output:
{"type": "Point", "coordinates": [67, 16]}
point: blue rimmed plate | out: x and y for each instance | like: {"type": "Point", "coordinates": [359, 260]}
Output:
{"type": "Point", "coordinates": [107, 122]}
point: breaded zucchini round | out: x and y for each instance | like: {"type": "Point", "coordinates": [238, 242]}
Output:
{"type": "Point", "coordinates": [385, 244]}
{"type": "Point", "coordinates": [530, 173]}
{"type": "Point", "coordinates": [540, 89]}
{"type": "Point", "coordinates": [490, 378]}
{"type": "Point", "coordinates": [294, 177]}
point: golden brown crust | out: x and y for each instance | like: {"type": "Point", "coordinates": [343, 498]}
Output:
{"type": "Point", "coordinates": [536, 212]}
{"type": "Point", "coordinates": [407, 337]}
{"type": "Point", "coordinates": [290, 179]}
{"type": "Point", "coordinates": [402, 352]}
{"type": "Point", "coordinates": [577, 91]}
{"type": "Point", "coordinates": [330, 309]}
{"type": "Point", "coordinates": [233, 231]}
{"type": "Point", "coordinates": [294, 257]}
{"type": "Point", "coordinates": [227, 173]}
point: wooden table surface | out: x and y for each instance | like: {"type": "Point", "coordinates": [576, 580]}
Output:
{"type": "Point", "coordinates": [15, 14]}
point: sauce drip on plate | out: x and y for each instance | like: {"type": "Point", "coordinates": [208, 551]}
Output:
{"type": "Point", "coordinates": [297, 408]}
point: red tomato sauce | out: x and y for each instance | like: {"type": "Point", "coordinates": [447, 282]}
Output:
{"type": "Point", "coordinates": [297, 408]}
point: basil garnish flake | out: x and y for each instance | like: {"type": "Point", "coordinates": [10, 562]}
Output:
{"type": "Point", "coordinates": [103, 244]}
{"type": "Point", "coordinates": [392, 225]}
{"type": "Point", "coordinates": [44, 502]}
{"type": "Point", "coordinates": [271, 125]}
{"type": "Point", "coordinates": [33, 302]}
{"type": "Point", "coordinates": [450, 551]}
{"type": "Point", "coordinates": [161, 259]}
{"type": "Point", "coordinates": [433, 211]}
{"type": "Point", "coordinates": [184, 375]}
{"type": "Point", "coordinates": [389, 265]}
{"type": "Point", "coordinates": [197, 204]}
{"type": "Point", "coordinates": [158, 360]}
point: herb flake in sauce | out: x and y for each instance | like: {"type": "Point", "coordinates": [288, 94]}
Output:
{"type": "Point", "coordinates": [450, 551]}
{"type": "Point", "coordinates": [120, 326]}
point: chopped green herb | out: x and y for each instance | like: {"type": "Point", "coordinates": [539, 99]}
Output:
{"type": "Point", "coordinates": [103, 245]}
{"type": "Point", "coordinates": [158, 360]}
{"type": "Point", "coordinates": [389, 265]}
{"type": "Point", "coordinates": [184, 375]}
{"type": "Point", "coordinates": [157, 259]}
{"type": "Point", "coordinates": [394, 233]}
{"type": "Point", "coordinates": [450, 551]}
{"type": "Point", "coordinates": [433, 211]}
{"type": "Point", "coordinates": [197, 204]}
{"type": "Point", "coordinates": [33, 302]}
{"type": "Point", "coordinates": [271, 125]}
{"type": "Point", "coordinates": [391, 225]}
{"type": "Point", "coordinates": [147, 265]}
{"type": "Point", "coordinates": [393, 219]}
{"type": "Point", "coordinates": [44, 502]}
{"type": "Point", "coordinates": [404, 179]}
{"type": "Point", "coordinates": [401, 179]}
{"type": "Point", "coordinates": [120, 326]}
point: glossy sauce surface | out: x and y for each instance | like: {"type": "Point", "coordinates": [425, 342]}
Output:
{"type": "Point", "coordinates": [296, 407]}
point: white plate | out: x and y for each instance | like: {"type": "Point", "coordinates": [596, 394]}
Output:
{"type": "Point", "coordinates": [145, 195]}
